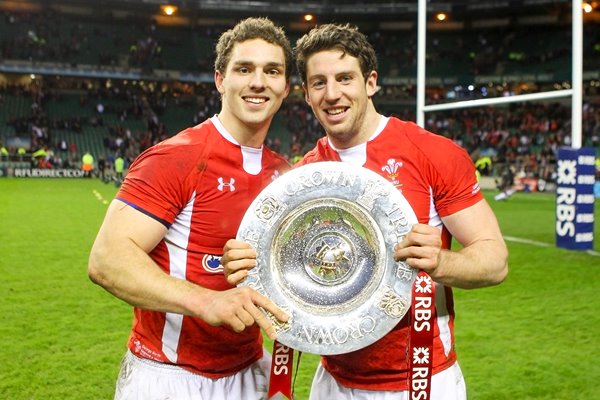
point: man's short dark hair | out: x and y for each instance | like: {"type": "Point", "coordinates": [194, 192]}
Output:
{"type": "Point", "coordinates": [346, 38]}
{"type": "Point", "coordinates": [248, 29]}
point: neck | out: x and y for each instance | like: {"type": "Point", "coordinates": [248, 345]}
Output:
{"type": "Point", "coordinates": [248, 135]}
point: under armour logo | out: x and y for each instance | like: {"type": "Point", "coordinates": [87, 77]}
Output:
{"type": "Point", "coordinates": [223, 185]}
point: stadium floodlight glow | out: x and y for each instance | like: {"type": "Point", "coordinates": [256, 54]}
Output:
{"type": "Point", "coordinates": [441, 16]}
{"type": "Point", "coordinates": [587, 7]}
{"type": "Point", "coordinates": [168, 9]}
{"type": "Point", "coordinates": [308, 17]}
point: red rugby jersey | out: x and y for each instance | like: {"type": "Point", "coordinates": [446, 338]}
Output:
{"type": "Point", "coordinates": [437, 178]}
{"type": "Point", "coordinates": [199, 184]}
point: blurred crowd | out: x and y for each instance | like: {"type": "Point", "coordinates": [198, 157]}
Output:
{"type": "Point", "coordinates": [55, 116]}
{"type": "Point", "coordinates": [138, 41]}
{"type": "Point", "coordinates": [523, 135]}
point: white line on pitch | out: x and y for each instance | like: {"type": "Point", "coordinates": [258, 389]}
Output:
{"type": "Point", "coordinates": [542, 244]}
{"type": "Point", "coordinates": [526, 241]}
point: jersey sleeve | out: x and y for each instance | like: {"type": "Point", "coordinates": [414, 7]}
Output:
{"type": "Point", "coordinates": [158, 182]}
{"type": "Point", "coordinates": [452, 173]}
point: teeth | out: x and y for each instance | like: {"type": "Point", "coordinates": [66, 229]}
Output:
{"type": "Point", "coordinates": [255, 100]}
{"type": "Point", "coordinates": [335, 111]}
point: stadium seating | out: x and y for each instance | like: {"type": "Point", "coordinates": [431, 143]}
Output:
{"type": "Point", "coordinates": [144, 116]}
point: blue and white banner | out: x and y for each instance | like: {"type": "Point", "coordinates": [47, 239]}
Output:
{"type": "Point", "coordinates": [576, 176]}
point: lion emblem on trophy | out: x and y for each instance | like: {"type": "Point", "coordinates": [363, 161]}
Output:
{"type": "Point", "coordinates": [328, 261]}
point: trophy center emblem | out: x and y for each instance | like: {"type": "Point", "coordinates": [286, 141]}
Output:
{"type": "Point", "coordinates": [330, 259]}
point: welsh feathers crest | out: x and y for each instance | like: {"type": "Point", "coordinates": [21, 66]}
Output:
{"type": "Point", "coordinates": [391, 170]}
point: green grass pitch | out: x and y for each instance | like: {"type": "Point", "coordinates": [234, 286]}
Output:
{"type": "Point", "coordinates": [536, 336]}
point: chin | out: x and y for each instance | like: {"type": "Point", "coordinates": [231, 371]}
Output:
{"type": "Point", "coordinates": [255, 114]}
{"type": "Point", "coordinates": [258, 120]}
{"type": "Point", "coordinates": [338, 131]}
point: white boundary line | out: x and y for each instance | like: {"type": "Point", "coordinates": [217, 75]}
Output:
{"type": "Point", "coordinates": [527, 241]}
{"type": "Point", "coordinates": [542, 244]}
{"type": "Point", "coordinates": [99, 197]}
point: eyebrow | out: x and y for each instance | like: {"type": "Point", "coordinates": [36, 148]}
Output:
{"type": "Point", "coordinates": [248, 63]}
{"type": "Point", "coordinates": [336, 75]}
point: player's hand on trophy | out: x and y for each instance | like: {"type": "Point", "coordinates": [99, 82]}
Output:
{"type": "Point", "coordinates": [240, 308]}
{"type": "Point", "coordinates": [238, 258]}
{"type": "Point", "coordinates": [421, 248]}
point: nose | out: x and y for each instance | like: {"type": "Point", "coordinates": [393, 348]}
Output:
{"type": "Point", "coordinates": [257, 81]}
{"type": "Point", "coordinates": [332, 92]}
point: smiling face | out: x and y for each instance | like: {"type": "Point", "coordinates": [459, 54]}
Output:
{"type": "Point", "coordinates": [340, 97]}
{"type": "Point", "coordinates": [252, 87]}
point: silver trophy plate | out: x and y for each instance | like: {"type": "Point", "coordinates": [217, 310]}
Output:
{"type": "Point", "coordinates": [325, 236]}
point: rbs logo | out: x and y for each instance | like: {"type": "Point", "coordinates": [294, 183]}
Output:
{"type": "Point", "coordinates": [281, 359]}
{"type": "Point", "coordinates": [565, 198]}
{"type": "Point", "coordinates": [575, 179]}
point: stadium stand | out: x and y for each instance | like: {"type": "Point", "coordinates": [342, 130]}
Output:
{"type": "Point", "coordinates": [119, 81]}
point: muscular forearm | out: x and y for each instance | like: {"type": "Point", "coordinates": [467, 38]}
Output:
{"type": "Point", "coordinates": [479, 265]}
{"type": "Point", "coordinates": [130, 274]}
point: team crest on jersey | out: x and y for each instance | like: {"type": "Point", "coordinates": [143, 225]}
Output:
{"type": "Point", "coordinates": [391, 171]}
{"type": "Point", "coordinates": [222, 186]}
{"type": "Point", "coordinates": [212, 263]}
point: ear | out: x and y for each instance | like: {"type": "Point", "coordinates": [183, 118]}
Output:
{"type": "Point", "coordinates": [371, 83]}
{"type": "Point", "coordinates": [219, 81]}
{"type": "Point", "coordinates": [306, 98]}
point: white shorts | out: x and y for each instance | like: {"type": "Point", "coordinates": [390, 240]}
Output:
{"type": "Point", "coordinates": [446, 385]}
{"type": "Point", "coordinates": [141, 379]}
